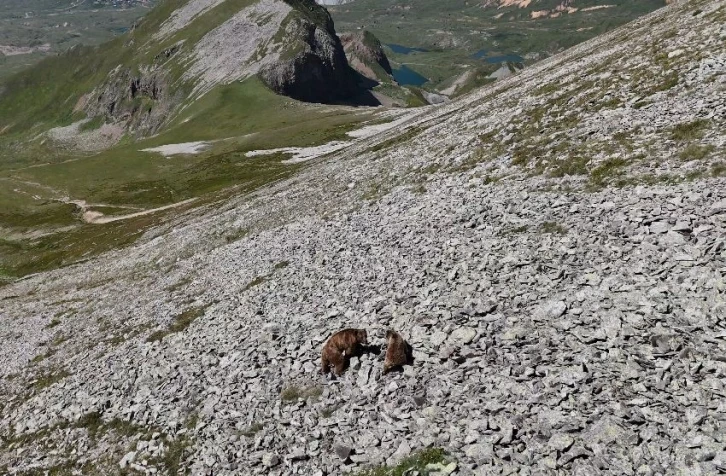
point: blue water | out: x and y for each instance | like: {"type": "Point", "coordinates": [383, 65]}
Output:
{"type": "Point", "coordinates": [480, 54]}
{"type": "Point", "coordinates": [504, 59]}
{"type": "Point", "coordinates": [404, 50]}
{"type": "Point", "coordinates": [405, 76]}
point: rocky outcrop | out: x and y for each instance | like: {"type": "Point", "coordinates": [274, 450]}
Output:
{"type": "Point", "coordinates": [291, 45]}
{"type": "Point", "coordinates": [141, 101]}
{"type": "Point", "coordinates": [312, 66]}
{"type": "Point", "coordinates": [365, 54]}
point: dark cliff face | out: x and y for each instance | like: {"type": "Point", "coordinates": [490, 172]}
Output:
{"type": "Point", "coordinates": [314, 67]}
{"type": "Point", "coordinates": [141, 100]}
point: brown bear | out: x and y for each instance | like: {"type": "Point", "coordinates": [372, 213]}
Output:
{"type": "Point", "coordinates": [341, 347]}
{"type": "Point", "coordinates": [398, 352]}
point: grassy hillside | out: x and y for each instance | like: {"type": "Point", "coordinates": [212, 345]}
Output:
{"type": "Point", "coordinates": [47, 186]}
{"type": "Point", "coordinates": [125, 179]}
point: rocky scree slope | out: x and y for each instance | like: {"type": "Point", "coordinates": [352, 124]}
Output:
{"type": "Point", "coordinates": [178, 53]}
{"type": "Point", "coordinates": [552, 246]}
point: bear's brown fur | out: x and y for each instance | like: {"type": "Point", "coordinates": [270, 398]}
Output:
{"type": "Point", "coordinates": [398, 352]}
{"type": "Point", "coordinates": [341, 347]}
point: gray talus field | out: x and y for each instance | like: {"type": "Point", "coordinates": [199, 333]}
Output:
{"type": "Point", "coordinates": [551, 246]}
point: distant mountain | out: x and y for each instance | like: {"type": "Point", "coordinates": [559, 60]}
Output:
{"type": "Point", "coordinates": [179, 53]}
{"type": "Point", "coordinates": [458, 44]}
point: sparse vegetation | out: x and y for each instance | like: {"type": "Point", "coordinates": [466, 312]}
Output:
{"type": "Point", "coordinates": [236, 235]}
{"type": "Point", "coordinates": [689, 130]}
{"type": "Point", "coordinates": [398, 139]}
{"type": "Point", "coordinates": [46, 380]}
{"type": "Point", "coordinates": [176, 451]}
{"type": "Point", "coordinates": [255, 282]}
{"type": "Point", "coordinates": [54, 322]}
{"type": "Point", "coordinates": [668, 82]}
{"type": "Point", "coordinates": [570, 166]}
{"type": "Point", "coordinates": [292, 393]}
{"type": "Point", "coordinates": [327, 412]}
{"type": "Point", "coordinates": [607, 171]}
{"type": "Point", "coordinates": [696, 152]}
{"type": "Point", "coordinates": [91, 125]}
{"type": "Point", "coordinates": [415, 464]}
{"type": "Point", "coordinates": [183, 282]}
{"type": "Point", "coordinates": [553, 228]}
{"type": "Point", "coordinates": [180, 323]}
{"type": "Point", "coordinates": [515, 230]}
{"type": "Point", "coordinates": [719, 169]}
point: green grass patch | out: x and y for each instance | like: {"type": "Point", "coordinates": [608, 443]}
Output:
{"type": "Point", "coordinates": [696, 152]}
{"type": "Point", "coordinates": [607, 171]}
{"type": "Point", "coordinates": [417, 463]}
{"type": "Point", "coordinates": [46, 380]}
{"type": "Point", "coordinates": [689, 130]}
{"type": "Point", "coordinates": [180, 323]}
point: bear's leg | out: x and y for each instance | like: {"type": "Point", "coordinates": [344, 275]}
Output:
{"type": "Point", "coordinates": [339, 363]}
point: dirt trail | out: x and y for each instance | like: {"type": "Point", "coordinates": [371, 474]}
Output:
{"type": "Point", "coordinates": [98, 218]}
{"type": "Point", "coordinates": [88, 214]}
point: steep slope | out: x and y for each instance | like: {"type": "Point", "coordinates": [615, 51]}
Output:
{"type": "Point", "coordinates": [552, 247]}
{"type": "Point", "coordinates": [177, 54]}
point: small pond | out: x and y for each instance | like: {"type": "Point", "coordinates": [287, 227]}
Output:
{"type": "Point", "coordinates": [404, 50]}
{"type": "Point", "coordinates": [405, 76]}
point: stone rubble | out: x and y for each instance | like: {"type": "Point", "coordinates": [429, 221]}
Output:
{"type": "Point", "coordinates": [556, 328]}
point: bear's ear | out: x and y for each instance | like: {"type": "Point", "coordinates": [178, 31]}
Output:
{"type": "Point", "coordinates": [389, 333]}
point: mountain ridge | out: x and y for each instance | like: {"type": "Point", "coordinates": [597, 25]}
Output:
{"type": "Point", "coordinates": [180, 52]}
